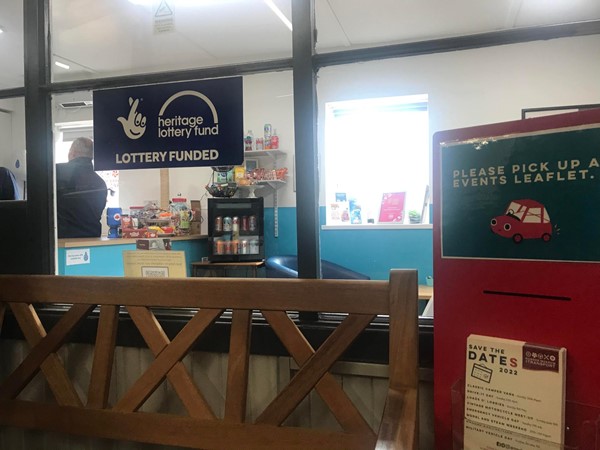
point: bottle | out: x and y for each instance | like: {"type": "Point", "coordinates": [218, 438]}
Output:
{"type": "Point", "coordinates": [259, 144]}
{"type": "Point", "coordinates": [235, 227]}
{"type": "Point", "coordinates": [249, 141]}
{"type": "Point", "coordinates": [268, 133]}
{"type": "Point", "coordinates": [274, 141]}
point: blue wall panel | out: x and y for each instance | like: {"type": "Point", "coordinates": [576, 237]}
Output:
{"type": "Point", "coordinates": [372, 252]}
{"type": "Point", "coordinates": [107, 260]}
{"type": "Point", "coordinates": [286, 243]}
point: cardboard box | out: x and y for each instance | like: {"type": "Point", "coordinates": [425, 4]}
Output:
{"type": "Point", "coordinates": [153, 244]}
{"type": "Point", "coordinates": [195, 227]}
{"type": "Point", "coordinates": [196, 211]}
{"type": "Point", "coordinates": [133, 232]}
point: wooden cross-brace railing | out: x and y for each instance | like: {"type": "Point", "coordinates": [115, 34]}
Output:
{"type": "Point", "coordinates": [201, 428]}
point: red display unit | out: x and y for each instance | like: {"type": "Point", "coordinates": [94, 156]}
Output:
{"type": "Point", "coordinates": [236, 229]}
{"type": "Point", "coordinates": [517, 253]}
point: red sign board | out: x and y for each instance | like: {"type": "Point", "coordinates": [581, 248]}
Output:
{"type": "Point", "coordinates": [497, 290]}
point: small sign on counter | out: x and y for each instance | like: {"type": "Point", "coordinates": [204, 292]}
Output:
{"type": "Point", "coordinates": [169, 264]}
{"type": "Point", "coordinates": [77, 256]}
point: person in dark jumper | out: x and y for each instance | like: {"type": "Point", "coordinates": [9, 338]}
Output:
{"type": "Point", "coordinates": [80, 193]}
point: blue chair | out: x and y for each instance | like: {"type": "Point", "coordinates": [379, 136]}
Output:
{"type": "Point", "coordinates": [287, 267]}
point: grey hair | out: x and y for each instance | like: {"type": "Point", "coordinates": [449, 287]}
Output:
{"type": "Point", "coordinates": [82, 147]}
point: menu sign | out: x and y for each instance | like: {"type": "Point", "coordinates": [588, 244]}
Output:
{"type": "Point", "coordinates": [196, 123]}
{"type": "Point", "coordinates": [392, 207]}
{"type": "Point", "coordinates": [514, 394]}
{"type": "Point", "coordinates": [523, 196]}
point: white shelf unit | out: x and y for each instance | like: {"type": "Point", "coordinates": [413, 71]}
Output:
{"type": "Point", "coordinates": [274, 156]}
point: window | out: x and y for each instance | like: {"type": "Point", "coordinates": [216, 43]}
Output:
{"type": "Point", "coordinates": [66, 134]}
{"type": "Point", "coordinates": [374, 147]}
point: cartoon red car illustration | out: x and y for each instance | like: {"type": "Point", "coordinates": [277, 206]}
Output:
{"type": "Point", "coordinates": [523, 219]}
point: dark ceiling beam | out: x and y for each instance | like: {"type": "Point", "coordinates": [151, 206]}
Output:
{"type": "Point", "coordinates": [452, 44]}
{"type": "Point", "coordinates": [11, 93]}
{"type": "Point", "coordinates": [458, 43]}
{"type": "Point", "coordinates": [275, 65]}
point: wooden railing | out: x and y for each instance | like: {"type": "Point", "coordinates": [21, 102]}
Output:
{"type": "Point", "coordinates": [201, 428]}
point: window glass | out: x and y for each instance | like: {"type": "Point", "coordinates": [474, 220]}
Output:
{"type": "Point", "coordinates": [72, 116]}
{"type": "Point", "coordinates": [65, 134]}
{"type": "Point", "coordinates": [377, 160]}
{"type": "Point", "coordinates": [349, 24]}
{"type": "Point", "coordinates": [11, 44]}
{"type": "Point", "coordinates": [12, 149]}
{"type": "Point", "coordinates": [92, 39]}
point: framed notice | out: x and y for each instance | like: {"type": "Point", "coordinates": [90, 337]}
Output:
{"type": "Point", "coordinates": [159, 264]}
{"type": "Point", "coordinates": [392, 207]}
{"type": "Point", "coordinates": [251, 164]}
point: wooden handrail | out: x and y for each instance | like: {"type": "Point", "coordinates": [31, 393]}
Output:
{"type": "Point", "coordinates": [209, 298]}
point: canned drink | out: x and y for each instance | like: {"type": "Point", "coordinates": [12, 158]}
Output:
{"type": "Point", "coordinates": [227, 224]}
{"type": "Point", "coordinates": [252, 224]}
{"type": "Point", "coordinates": [260, 144]}
{"type": "Point", "coordinates": [235, 224]}
{"type": "Point", "coordinates": [244, 223]}
{"type": "Point", "coordinates": [220, 247]}
{"type": "Point", "coordinates": [253, 247]}
{"type": "Point", "coordinates": [268, 131]}
{"type": "Point", "coordinates": [228, 247]}
{"type": "Point", "coordinates": [244, 247]}
{"type": "Point", "coordinates": [235, 247]}
{"type": "Point", "coordinates": [218, 223]}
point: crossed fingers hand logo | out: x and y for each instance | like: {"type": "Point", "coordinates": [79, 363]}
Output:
{"type": "Point", "coordinates": [134, 125]}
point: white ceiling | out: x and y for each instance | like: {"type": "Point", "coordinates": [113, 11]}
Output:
{"type": "Point", "coordinates": [112, 37]}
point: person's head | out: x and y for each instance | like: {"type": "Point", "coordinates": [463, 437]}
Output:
{"type": "Point", "coordinates": [81, 147]}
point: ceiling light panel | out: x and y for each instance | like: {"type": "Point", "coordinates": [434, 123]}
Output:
{"type": "Point", "coordinates": [118, 37]}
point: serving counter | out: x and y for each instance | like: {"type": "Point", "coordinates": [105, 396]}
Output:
{"type": "Point", "coordinates": [103, 257]}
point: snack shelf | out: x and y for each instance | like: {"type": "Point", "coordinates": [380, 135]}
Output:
{"type": "Point", "coordinates": [273, 155]}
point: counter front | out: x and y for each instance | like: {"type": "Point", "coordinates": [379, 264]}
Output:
{"type": "Point", "coordinates": [103, 257]}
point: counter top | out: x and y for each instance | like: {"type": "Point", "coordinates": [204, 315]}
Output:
{"type": "Point", "coordinates": [103, 241]}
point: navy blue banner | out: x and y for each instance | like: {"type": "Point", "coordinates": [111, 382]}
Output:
{"type": "Point", "coordinates": [189, 124]}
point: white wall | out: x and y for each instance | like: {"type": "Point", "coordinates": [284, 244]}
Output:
{"type": "Point", "coordinates": [474, 87]}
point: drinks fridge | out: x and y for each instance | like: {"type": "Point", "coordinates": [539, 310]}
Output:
{"type": "Point", "coordinates": [235, 229]}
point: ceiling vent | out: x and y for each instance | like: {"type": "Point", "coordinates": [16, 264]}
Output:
{"type": "Point", "coordinates": [81, 104]}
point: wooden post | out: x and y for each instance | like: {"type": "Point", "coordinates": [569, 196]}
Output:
{"type": "Point", "coordinates": [164, 189]}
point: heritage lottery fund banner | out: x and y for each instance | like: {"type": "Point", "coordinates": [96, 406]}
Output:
{"type": "Point", "coordinates": [528, 196]}
{"type": "Point", "coordinates": [189, 124]}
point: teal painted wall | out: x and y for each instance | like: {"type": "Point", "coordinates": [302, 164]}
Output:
{"type": "Point", "coordinates": [372, 252]}
{"type": "Point", "coordinates": [107, 260]}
